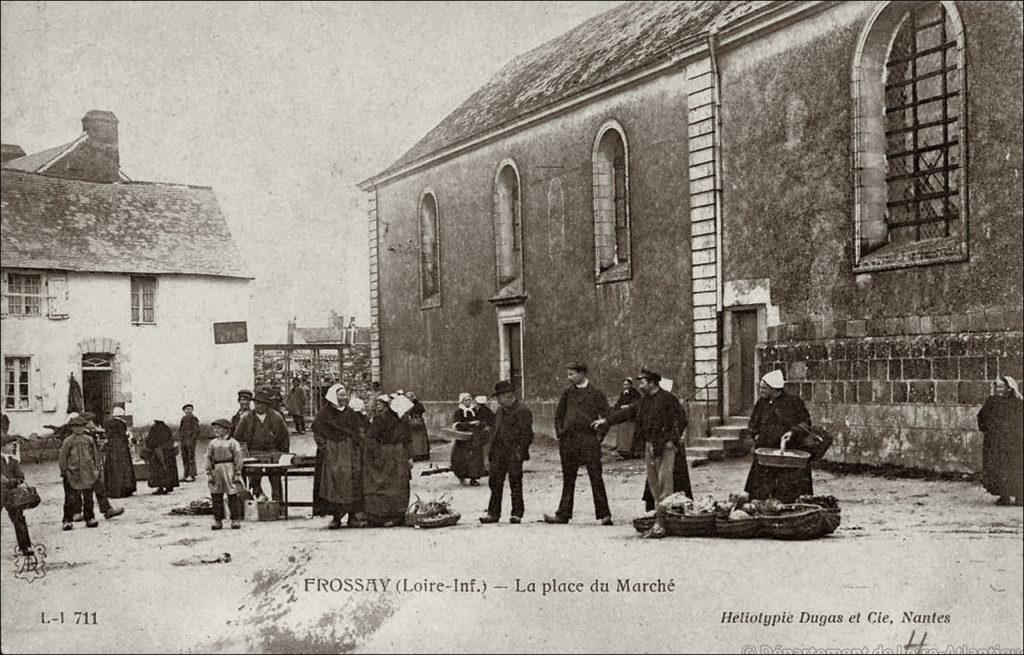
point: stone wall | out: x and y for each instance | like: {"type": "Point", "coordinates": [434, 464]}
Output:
{"type": "Point", "coordinates": [891, 394]}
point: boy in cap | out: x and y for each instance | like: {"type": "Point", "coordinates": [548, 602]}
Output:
{"type": "Point", "coordinates": [188, 433]}
{"type": "Point", "coordinates": [79, 468]}
{"type": "Point", "coordinates": [11, 477]}
{"type": "Point", "coordinates": [510, 447]}
{"type": "Point", "coordinates": [579, 444]}
{"type": "Point", "coordinates": [244, 407]}
{"type": "Point", "coordinates": [224, 474]}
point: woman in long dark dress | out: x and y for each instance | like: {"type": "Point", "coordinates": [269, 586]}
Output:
{"type": "Point", "coordinates": [625, 444]}
{"type": "Point", "coordinates": [420, 445]}
{"type": "Point", "coordinates": [160, 459]}
{"type": "Point", "coordinates": [1000, 421]}
{"type": "Point", "coordinates": [468, 452]}
{"type": "Point", "coordinates": [386, 464]}
{"type": "Point", "coordinates": [778, 414]}
{"type": "Point", "coordinates": [119, 473]}
{"type": "Point", "coordinates": [337, 481]}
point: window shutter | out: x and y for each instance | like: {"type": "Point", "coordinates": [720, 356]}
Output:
{"type": "Point", "coordinates": [57, 289]}
{"type": "Point", "coordinates": [3, 293]}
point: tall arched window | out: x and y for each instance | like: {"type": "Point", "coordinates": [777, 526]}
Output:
{"type": "Point", "coordinates": [508, 228]}
{"type": "Point", "coordinates": [611, 204]}
{"type": "Point", "coordinates": [909, 113]}
{"type": "Point", "coordinates": [430, 255]}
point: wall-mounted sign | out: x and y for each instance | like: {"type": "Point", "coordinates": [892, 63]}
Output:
{"type": "Point", "coordinates": [234, 332]}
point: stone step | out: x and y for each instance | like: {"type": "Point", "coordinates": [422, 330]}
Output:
{"type": "Point", "coordinates": [728, 431]}
{"type": "Point", "coordinates": [694, 461]}
{"type": "Point", "coordinates": [711, 453]}
{"type": "Point", "coordinates": [736, 420]}
{"type": "Point", "coordinates": [718, 442]}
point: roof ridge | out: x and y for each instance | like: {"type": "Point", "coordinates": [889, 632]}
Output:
{"type": "Point", "coordinates": [51, 176]}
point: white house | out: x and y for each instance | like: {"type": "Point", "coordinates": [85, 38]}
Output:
{"type": "Point", "coordinates": [118, 285]}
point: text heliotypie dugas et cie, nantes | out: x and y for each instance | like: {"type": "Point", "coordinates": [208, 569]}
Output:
{"type": "Point", "coordinates": [481, 585]}
{"type": "Point", "coordinates": [772, 619]}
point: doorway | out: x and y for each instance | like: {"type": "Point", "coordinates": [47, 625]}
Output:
{"type": "Point", "coordinates": [512, 354]}
{"type": "Point", "coordinates": [98, 385]}
{"type": "Point", "coordinates": [742, 365]}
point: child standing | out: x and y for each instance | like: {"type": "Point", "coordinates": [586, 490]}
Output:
{"type": "Point", "coordinates": [224, 474]}
{"type": "Point", "coordinates": [79, 468]}
{"type": "Point", "coordinates": [188, 433]}
{"type": "Point", "coordinates": [10, 472]}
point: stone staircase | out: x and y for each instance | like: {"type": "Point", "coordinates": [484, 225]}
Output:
{"type": "Point", "coordinates": [725, 441]}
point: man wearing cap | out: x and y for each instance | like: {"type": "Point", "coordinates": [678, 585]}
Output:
{"type": "Point", "coordinates": [266, 434]}
{"type": "Point", "coordinates": [660, 420]}
{"type": "Point", "coordinates": [510, 446]}
{"type": "Point", "coordinates": [11, 477]}
{"type": "Point", "coordinates": [78, 461]}
{"type": "Point", "coordinates": [188, 434]}
{"type": "Point", "coordinates": [244, 407]}
{"type": "Point", "coordinates": [579, 444]}
{"type": "Point", "coordinates": [99, 436]}
{"type": "Point", "coordinates": [778, 415]}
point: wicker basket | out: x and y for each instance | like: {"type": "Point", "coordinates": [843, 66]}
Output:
{"type": "Point", "coordinates": [643, 523]}
{"type": "Point", "coordinates": [439, 521]}
{"type": "Point", "coordinates": [740, 528]}
{"type": "Point", "coordinates": [687, 525]}
{"type": "Point", "coordinates": [778, 458]}
{"type": "Point", "coordinates": [798, 522]}
{"type": "Point", "coordinates": [832, 519]}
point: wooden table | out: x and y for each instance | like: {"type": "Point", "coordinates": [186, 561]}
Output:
{"type": "Point", "coordinates": [286, 471]}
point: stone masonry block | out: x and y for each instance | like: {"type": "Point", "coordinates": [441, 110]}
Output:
{"type": "Point", "coordinates": [976, 322]}
{"type": "Point", "coordinates": [856, 328]}
{"type": "Point", "coordinates": [973, 392]}
{"type": "Point", "coordinates": [945, 368]}
{"type": "Point", "coordinates": [876, 327]}
{"type": "Point", "coordinates": [912, 325]}
{"type": "Point", "coordinates": [972, 368]}
{"type": "Point", "coordinates": [922, 391]}
{"type": "Point", "coordinates": [900, 392]}
{"type": "Point", "coordinates": [927, 325]}
{"type": "Point", "coordinates": [946, 392]}
{"type": "Point", "coordinates": [881, 392]}
{"type": "Point", "coordinates": [878, 369]}
{"type": "Point", "coordinates": [916, 369]}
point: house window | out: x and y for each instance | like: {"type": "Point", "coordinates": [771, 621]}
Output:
{"type": "Point", "coordinates": [508, 228]}
{"type": "Point", "coordinates": [16, 383]}
{"type": "Point", "coordinates": [24, 294]}
{"type": "Point", "coordinates": [430, 258]}
{"type": "Point", "coordinates": [143, 299]}
{"type": "Point", "coordinates": [911, 176]}
{"type": "Point", "coordinates": [611, 204]}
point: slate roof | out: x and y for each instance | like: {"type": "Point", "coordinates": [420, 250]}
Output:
{"type": "Point", "coordinates": [136, 227]}
{"type": "Point", "coordinates": [610, 45]}
{"type": "Point", "coordinates": [32, 163]}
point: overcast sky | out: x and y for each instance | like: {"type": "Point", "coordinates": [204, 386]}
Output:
{"type": "Point", "coordinates": [281, 107]}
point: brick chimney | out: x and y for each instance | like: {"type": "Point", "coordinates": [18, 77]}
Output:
{"type": "Point", "coordinates": [9, 151]}
{"type": "Point", "coordinates": [104, 161]}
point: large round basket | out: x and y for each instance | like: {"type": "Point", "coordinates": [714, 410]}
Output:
{"type": "Point", "coordinates": [740, 528]}
{"type": "Point", "coordinates": [798, 522]}
{"type": "Point", "coordinates": [777, 458]}
{"type": "Point", "coordinates": [687, 525]}
{"type": "Point", "coordinates": [439, 521]}
{"type": "Point", "coordinates": [643, 523]}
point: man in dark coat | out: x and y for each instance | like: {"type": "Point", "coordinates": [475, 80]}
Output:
{"type": "Point", "coordinates": [510, 446]}
{"type": "Point", "coordinates": [103, 485]}
{"type": "Point", "coordinates": [266, 433]}
{"type": "Point", "coordinates": [660, 420]}
{"type": "Point", "coordinates": [778, 414]}
{"type": "Point", "coordinates": [188, 434]}
{"type": "Point", "coordinates": [11, 477]}
{"type": "Point", "coordinates": [244, 407]}
{"type": "Point", "coordinates": [296, 404]}
{"type": "Point", "coordinates": [580, 405]}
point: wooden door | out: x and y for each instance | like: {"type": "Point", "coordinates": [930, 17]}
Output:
{"type": "Point", "coordinates": [742, 372]}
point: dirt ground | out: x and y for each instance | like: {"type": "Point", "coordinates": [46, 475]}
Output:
{"type": "Point", "coordinates": [940, 551]}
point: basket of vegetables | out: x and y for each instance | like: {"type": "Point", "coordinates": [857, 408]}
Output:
{"type": "Point", "coordinates": [738, 519]}
{"type": "Point", "coordinates": [799, 521]}
{"type": "Point", "coordinates": [682, 518]}
{"type": "Point", "coordinates": [833, 515]}
{"type": "Point", "coordinates": [435, 513]}
{"type": "Point", "coordinates": [644, 523]}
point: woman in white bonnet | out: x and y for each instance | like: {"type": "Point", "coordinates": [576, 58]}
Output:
{"type": "Point", "coordinates": [1001, 421]}
{"type": "Point", "coordinates": [778, 415]}
{"type": "Point", "coordinates": [468, 452]}
{"type": "Point", "coordinates": [337, 480]}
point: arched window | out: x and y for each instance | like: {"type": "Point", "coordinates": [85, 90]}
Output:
{"type": "Point", "coordinates": [909, 113]}
{"type": "Point", "coordinates": [430, 256]}
{"type": "Point", "coordinates": [611, 204]}
{"type": "Point", "coordinates": [508, 228]}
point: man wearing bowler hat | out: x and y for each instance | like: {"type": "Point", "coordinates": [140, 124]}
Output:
{"type": "Point", "coordinates": [267, 435]}
{"type": "Point", "coordinates": [510, 447]}
{"type": "Point", "coordinates": [579, 443]}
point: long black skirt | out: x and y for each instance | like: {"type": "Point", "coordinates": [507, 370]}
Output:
{"type": "Point", "coordinates": [782, 484]}
{"type": "Point", "coordinates": [680, 478]}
